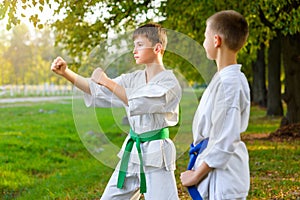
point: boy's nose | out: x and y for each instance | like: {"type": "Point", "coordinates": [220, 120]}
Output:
{"type": "Point", "coordinates": [134, 50]}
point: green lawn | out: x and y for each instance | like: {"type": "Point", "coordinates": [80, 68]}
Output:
{"type": "Point", "coordinates": [43, 157]}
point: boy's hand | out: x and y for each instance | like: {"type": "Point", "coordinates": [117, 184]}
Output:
{"type": "Point", "coordinates": [189, 178]}
{"type": "Point", "coordinates": [99, 76]}
{"type": "Point", "coordinates": [59, 66]}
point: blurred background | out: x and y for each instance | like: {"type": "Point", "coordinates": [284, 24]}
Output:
{"type": "Point", "coordinates": [34, 32]}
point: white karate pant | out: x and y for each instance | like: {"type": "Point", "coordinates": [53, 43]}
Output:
{"type": "Point", "coordinates": [161, 185]}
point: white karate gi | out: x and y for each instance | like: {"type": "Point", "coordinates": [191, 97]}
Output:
{"type": "Point", "coordinates": [151, 106]}
{"type": "Point", "coordinates": [223, 114]}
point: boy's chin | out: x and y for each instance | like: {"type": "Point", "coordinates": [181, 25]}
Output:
{"type": "Point", "coordinates": [139, 63]}
{"type": "Point", "coordinates": [209, 57]}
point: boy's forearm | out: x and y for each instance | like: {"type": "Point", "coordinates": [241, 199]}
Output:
{"type": "Point", "coordinates": [115, 88]}
{"type": "Point", "coordinates": [77, 80]}
{"type": "Point", "coordinates": [202, 171]}
{"type": "Point", "coordinates": [194, 177]}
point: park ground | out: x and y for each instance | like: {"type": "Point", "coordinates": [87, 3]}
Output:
{"type": "Point", "coordinates": [43, 157]}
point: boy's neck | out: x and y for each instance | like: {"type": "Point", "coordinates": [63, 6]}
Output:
{"type": "Point", "coordinates": [153, 69]}
{"type": "Point", "coordinates": [225, 59]}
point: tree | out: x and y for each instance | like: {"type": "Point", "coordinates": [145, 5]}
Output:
{"type": "Point", "coordinates": [282, 20]}
{"type": "Point", "coordinates": [5, 65]}
{"type": "Point", "coordinates": [267, 20]}
{"type": "Point", "coordinates": [26, 57]}
{"type": "Point", "coordinates": [291, 49]}
{"type": "Point", "coordinates": [43, 50]}
{"type": "Point", "coordinates": [19, 53]}
{"type": "Point", "coordinates": [259, 91]}
{"type": "Point", "coordinates": [274, 87]}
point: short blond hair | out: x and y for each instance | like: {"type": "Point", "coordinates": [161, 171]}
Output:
{"type": "Point", "coordinates": [155, 33]}
{"type": "Point", "coordinates": [232, 26]}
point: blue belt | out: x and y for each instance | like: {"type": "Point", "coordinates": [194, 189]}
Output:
{"type": "Point", "coordinates": [194, 152]}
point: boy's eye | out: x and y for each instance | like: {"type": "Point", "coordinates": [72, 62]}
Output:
{"type": "Point", "coordinates": [139, 45]}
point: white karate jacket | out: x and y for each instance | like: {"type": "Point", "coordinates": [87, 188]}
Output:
{"type": "Point", "coordinates": [222, 115]}
{"type": "Point", "coordinates": [151, 106]}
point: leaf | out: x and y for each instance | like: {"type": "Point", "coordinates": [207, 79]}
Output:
{"type": "Point", "coordinates": [34, 19]}
{"type": "Point", "coordinates": [42, 2]}
{"type": "Point", "coordinates": [41, 8]}
{"type": "Point", "coordinates": [40, 26]}
{"type": "Point", "coordinates": [8, 26]}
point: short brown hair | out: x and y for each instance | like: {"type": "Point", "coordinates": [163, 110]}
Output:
{"type": "Point", "coordinates": [232, 26]}
{"type": "Point", "coordinates": [154, 32]}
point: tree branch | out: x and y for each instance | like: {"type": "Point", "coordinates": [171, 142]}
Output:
{"type": "Point", "coordinates": [264, 20]}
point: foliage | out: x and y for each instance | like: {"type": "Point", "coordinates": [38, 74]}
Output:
{"type": "Point", "coordinates": [19, 53]}
{"type": "Point", "coordinates": [265, 18]}
{"type": "Point", "coordinates": [97, 20]}
{"type": "Point", "coordinates": [5, 66]}
{"type": "Point", "coordinates": [26, 57]}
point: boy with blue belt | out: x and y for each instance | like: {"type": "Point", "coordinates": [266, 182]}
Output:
{"type": "Point", "coordinates": [221, 170]}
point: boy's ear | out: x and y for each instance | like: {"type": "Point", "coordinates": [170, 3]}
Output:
{"type": "Point", "coordinates": [217, 41]}
{"type": "Point", "coordinates": [158, 48]}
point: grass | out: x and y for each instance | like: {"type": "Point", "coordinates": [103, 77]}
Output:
{"type": "Point", "coordinates": [43, 153]}
{"type": "Point", "coordinates": [274, 169]}
{"type": "Point", "coordinates": [261, 123]}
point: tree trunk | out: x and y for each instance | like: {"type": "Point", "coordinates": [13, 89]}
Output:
{"type": "Point", "coordinates": [291, 59]}
{"type": "Point", "coordinates": [274, 105]}
{"type": "Point", "coordinates": [259, 92]}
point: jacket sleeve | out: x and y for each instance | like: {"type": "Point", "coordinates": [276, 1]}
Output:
{"type": "Point", "coordinates": [101, 96]}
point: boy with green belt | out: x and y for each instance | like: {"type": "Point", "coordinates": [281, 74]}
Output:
{"type": "Point", "coordinates": [151, 99]}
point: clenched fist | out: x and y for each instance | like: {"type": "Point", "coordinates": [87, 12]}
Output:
{"type": "Point", "coordinates": [59, 66]}
{"type": "Point", "coordinates": [99, 76]}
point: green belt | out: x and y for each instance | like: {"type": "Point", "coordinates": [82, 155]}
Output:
{"type": "Point", "coordinates": [138, 139]}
